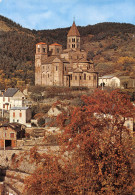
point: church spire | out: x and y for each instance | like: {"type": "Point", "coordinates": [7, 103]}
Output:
{"type": "Point", "coordinates": [73, 30]}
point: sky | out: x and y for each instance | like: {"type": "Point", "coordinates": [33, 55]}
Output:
{"type": "Point", "coordinates": [52, 14]}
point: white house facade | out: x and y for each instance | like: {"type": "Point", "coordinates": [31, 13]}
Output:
{"type": "Point", "coordinates": [12, 97]}
{"type": "Point", "coordinates": [20, 115]}
{"type": "Point", "coordinates": [109, 81]}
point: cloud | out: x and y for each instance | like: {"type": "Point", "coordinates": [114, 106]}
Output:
{"type": "Point", "coordinates": [49, 14]}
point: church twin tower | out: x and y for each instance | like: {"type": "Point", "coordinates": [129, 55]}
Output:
{"type": "Point", "coordinates": [70, 67]}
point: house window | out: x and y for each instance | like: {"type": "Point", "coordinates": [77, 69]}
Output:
{"type": "Point", "coordinates": [84, 76]}
{"type": "Point", "coordinates": [65, 68]}
{"type": "Point", "coordinates": [58, 50]}
{"type": "Point", "coordinates": [128, 125]}
{"type": "Point", "coordinates": [80, 77]}
{"type": "Point", "coordinates": [14, 114]}
{"type": "Point", "coordinates": [38, 50]}
{"type": "Point", "coordinates": [44, 50]}
{"type": "Point", "coordinates": [3, 105]}
{"type": "Point", "coordinates": [94, 77]}
{"type": "Point", "coordinates": [71, 76]}
{"type": "Point", "coordinates": [11, 135]}
{"type": "Point", "coordinates": [56, 68]}
{"type": "Point", "coordinates": [89, 77]}
{"type": "Point", "coordinates": [20, 114]}
{"type": "Point", "coordinates": [75, 77]}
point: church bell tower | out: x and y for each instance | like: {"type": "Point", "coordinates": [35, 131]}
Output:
{"type": "Point", "coordinates": [73, 38]}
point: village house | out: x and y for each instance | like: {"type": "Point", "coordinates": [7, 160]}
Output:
{"type": "Point", "coordinates": [116, 81]}
{"type": "Point", "coordinates": [21, 115]}
{"type": "Point", "coordinates": [12, 97]}
{"type": "Point", "coordinates": [69, 67]}
{"type": "Point", "coordinates": [9, 133]}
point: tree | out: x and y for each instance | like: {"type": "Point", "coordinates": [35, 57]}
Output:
{"type": "Point", "coordinates": [97, 148]}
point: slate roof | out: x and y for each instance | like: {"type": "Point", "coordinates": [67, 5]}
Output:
{"type": "Point", "coordinates": [10, 92]}
{"type": "Point", "coordinates": [19, 108]}
{"type": "Point", "coordinates": [15, 126]}
{"type": "Point", "coordinates": [73, 31]}
{"type": "Point", "coordinates": [108, 76]}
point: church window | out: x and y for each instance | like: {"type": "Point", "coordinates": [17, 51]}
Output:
{"type": "Point", "coordinates": [84, 76]}
{"type": "Point", "coordinates": [75, 77]}
{"type": "Point", "coordinates": [73, 45]}
{"type": "Point", "coordinates": [44, 50]}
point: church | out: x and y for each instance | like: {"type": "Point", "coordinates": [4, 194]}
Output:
{"type": "Point", "coordinates": [68, 67]}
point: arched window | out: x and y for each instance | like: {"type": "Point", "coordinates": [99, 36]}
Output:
{"type": "Point", "coordinates": [84, 76]}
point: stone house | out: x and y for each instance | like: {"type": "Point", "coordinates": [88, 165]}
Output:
{"type": "Point", "coordinates": [69, 67]}
{"type": "Point", "coordinates": [109, 81]}
{"type": "Point", "coordinates": [12, 97]}
{"type": "Point", "coordinates": [51, 116]}
{"type": "Point", "coordinates": [9, 133]}
{"type": "Point", "coordinates": [116, 81]}
{"type": "Point", "coordinates": [21, 115]}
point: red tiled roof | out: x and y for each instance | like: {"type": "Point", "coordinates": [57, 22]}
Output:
{"type": "Point", "coordinates": [41, 43]}
{"type": "Point", "coordinates": [55, 44]}
{"type": "Point", "coordinates": [73, 31]}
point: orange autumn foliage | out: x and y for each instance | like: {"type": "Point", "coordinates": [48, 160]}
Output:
{"type": "Point", "coordinates": [97, 148]}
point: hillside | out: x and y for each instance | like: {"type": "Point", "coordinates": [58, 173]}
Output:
{"type": "Point", "coordinates": [110, 45]}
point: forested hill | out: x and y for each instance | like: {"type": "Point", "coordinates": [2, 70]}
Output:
{"type": "Point", "coordinates": [110, 45]}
